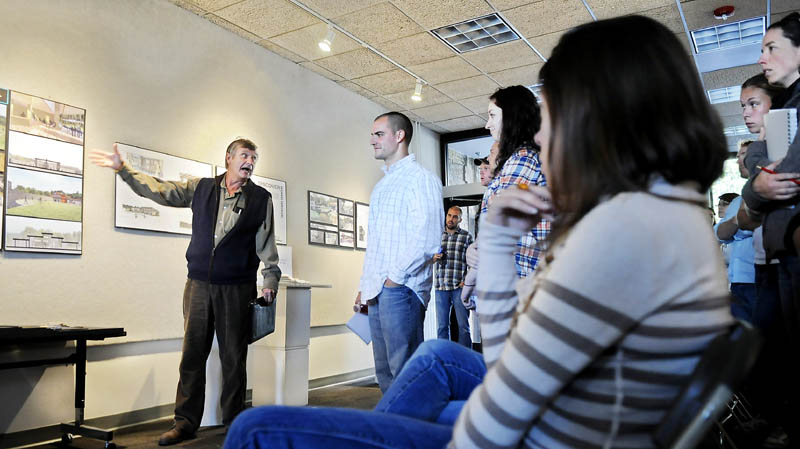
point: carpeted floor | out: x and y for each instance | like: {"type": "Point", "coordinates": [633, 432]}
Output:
{"type": "Point", "coordinates": [145, 436]}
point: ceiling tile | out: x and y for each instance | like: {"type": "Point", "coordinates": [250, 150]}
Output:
{"type": "Point", "coordinates": [233, 28]}
{"type": "Point", "coordinates": [526, 76]}
{"type": "Point", "coordinates": [781, 6]}
{"type": "Point", "coordinates": [700, 13]}
{"type": "Point", "coordinates": [438, 13]}
{"type": "Point", "coordinates": [355, 64]}
{"type": "Point", "coordinates": [668, 16]}
{"type": "Point", "coordinates": [732, 120]}
{"type": "Point", "coordinates": [280, 51]}
{"type": "Point", "coordinates": [413, 117]}
{"type": "Point", "coordinates": [462, 123]}
{"type": "Point", "coordinates": [211, 5]}
{"type": "Point", "coordinates": [548, 16]}
{"type": "Point", "coordinates": [417, 49]}
{"type": "Point", "coordinates": [267, 18]}
{"type": "Point", "coordinates": [304, 42]}
{"type": "Point", "coordinates": [778, 16]}
{"type": "Point", "coordinates": [430, 96]}
{"type": "Point", "coordinates": [503, 56]}
{"type": "Point", "coordinates": [349, 85]}
{"type": "Point", "coordinates": [319, 70]}
{"type": "Point", "coordinates": [606, 9]}
{"type": "Point", "coordinates": [387, 82]}
{"type": "Point", "coordinates": [468, 87]}
{"type": "Point", "coordinates": [729, 108]}
{"type": "Point", "coordinates": [444, 70]}
{"type": "Point", "coordinates": [503, 5]}
{"type": "Point", "coordinates": [730, 77]}
{"type": "Point", "coordinates": [389, 105]}
{"type": "Point", "coordinates": [444, 111]}
{"type": "Point", "coordinates": [189, 6]}
{"type": "Point", "coordinates": [684, 40]}
{"type": "Point", "coordinates": [338, 8]}
{"type": "Point", "coordinates": [546, 42]}
{"type": "Point", "coordinates": [436, 128]}
{"type": "Point", "coordinates": [478, 104]}
{"type": "Point", "coordinates": [380, 23]}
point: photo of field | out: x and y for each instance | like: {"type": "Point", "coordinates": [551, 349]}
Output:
{"type": "Point", "coordinates": [38, 235]}
{"type": "Point", "coordinates": [25, 150]}
{"type": "Point", "coordinates": [3, 117]}
{"type": "Point", "coordinates": [45, 118]}
{"type": "Point", "coordinates": [43, 195]}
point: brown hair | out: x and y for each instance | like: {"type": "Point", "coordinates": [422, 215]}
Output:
{"type": "Point", "coordinates": [239, 143]}
{"type": "Point", "coordinates": [635, 115]}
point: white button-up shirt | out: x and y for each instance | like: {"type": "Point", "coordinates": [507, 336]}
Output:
{"type": "Point", "coordinates": [406, 216]}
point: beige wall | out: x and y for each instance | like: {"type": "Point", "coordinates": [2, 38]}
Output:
{"type": "Point", "coordinates": [153, 75]}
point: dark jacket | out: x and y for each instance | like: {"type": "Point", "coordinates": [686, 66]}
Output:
{"type": "Point", "coordinates": [234, 260]}
{"type": "Point", "coordinates": [780, 221]}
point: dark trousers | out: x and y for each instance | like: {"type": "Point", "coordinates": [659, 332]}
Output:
{"type": "Point", "coordinates": [789, 288]}
{"type": "Point", "coordinates": [207, 307]}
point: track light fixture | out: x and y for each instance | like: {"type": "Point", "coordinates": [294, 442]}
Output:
{"type": "Point", "coordinates": [325, 44]}
{"type": "Point", "coordinates": [417, 91]}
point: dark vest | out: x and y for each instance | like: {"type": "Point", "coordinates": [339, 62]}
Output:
{"type": "Point", "coordinates": [234, 260]}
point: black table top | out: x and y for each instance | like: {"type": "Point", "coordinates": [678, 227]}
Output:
{"type": "Point", "coordinates": [37, 334]}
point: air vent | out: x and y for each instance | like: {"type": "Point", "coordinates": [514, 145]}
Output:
{"type": "Point", "coordinates": [475, 34]}
{"type": "Point", "coordinates": [724, 94]}
{"type": "Point", "coordinates": [729, 35]}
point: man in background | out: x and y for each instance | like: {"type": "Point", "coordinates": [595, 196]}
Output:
{"type": "Point", "coordinates": [405, 229]}
{"type": "Point", "coordinates": [451, 267]}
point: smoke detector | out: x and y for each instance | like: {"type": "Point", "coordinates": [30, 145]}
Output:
{"type": "Point", "coordinates": [723, 12]}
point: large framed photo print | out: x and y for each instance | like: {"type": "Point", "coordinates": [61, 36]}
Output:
{"type": "Point", "coordinates": [362, 220]}
{"type": "Point", "coordinates": [132, 211]}
{"type": "Point", "coordinates": [41, 169]}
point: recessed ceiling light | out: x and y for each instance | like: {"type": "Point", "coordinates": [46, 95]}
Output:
{"type": "Point", "coordinates": [729, 35]}
{"type": "Point", "coordinates": [477, 33]}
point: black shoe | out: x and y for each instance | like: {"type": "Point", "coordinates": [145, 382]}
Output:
{"type": "Point", "coordinates": [174, 436]}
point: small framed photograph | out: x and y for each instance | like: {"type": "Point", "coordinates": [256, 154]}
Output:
{"type": "Point", "coordinates": [331, 238]}
{"type": "Point", "coordinates": [346, 239]}
{"type": "Point", "coordinates": [345, 207]}
{"type": "Point", "coordinates": [362, 221]}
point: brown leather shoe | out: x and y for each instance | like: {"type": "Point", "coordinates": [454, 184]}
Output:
{"type": "Point", "coordinates": [174, 436]}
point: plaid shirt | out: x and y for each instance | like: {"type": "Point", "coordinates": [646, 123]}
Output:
{"type": "Point", "coordinates": [523, 167]}
{"type": "Point", "coordinates": [450, 270]}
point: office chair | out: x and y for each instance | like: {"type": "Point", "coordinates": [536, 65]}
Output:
{"type": "Point", "coordinates": [721, 369]}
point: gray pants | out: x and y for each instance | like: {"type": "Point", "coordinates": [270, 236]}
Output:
{"type": "Point", "coordinates": [207, 307]}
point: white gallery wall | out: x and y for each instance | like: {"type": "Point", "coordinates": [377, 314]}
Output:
{"type": "Point", "coordinates": [153, 75]}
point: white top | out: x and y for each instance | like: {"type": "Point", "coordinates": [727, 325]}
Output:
{"type": "Point", "coordinates": [406, 217]}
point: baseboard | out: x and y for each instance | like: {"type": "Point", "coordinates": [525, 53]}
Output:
{"type": "Point", "coordinates": [341, 378]}
{"type": "Point", "coordinates": [112, 422]}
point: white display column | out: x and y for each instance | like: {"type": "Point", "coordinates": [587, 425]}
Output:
{"type": "Point", "coordinates": [279, 373]}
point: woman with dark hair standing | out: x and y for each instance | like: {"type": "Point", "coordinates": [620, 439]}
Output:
{"type": "Point", "coordinates": [513, 121]}
{"type": "Point", "coordinates": [607, 334]}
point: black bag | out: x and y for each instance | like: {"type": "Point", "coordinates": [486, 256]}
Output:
{"type": "Point", "coordinates": [262, 319]}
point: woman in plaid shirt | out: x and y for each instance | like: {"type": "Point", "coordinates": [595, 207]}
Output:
{"type": "Point", "coordinates": [513, 121]}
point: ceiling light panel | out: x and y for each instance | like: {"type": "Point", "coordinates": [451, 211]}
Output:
{"type": "Point", "coordinates": [475, 34]}
{"type": "Point", "coordinates": [729, 35]}
{"type": "Point", "coordinates": [724, 95]}
{"type": "Point", "coordinates": [740, 130]}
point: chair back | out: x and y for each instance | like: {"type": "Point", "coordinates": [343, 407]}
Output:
{"type": "Point", "coordinates": [722, 368]}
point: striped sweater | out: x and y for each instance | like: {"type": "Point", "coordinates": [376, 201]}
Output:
{"type": "Point", "coordinates": [615, 326]}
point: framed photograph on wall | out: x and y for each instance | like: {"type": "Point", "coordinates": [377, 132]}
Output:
{"type": "Point", "coordinates": [131, 211]}
{"type": "Point", "coordinates": [361, 225]}
{"type": "Point", "coordinates": [346, 207]}
{"type": "Point", "coordinates": [41, 166]}
{"type": "Point", "coordinates": [323, 219]}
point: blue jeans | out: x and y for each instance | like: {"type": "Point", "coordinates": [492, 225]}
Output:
{"type": "Point", "coordinates": [395, 323]}
{"type": "Point", "coordinates": [277, 427]}
{"type": "Point", "coordinates": [435, 382]}
{"type": "Point", "coordinates": [444, 300]}
{"type": "Point", "coordinates": [432, 386]}
{"type": "Point", "coordinates": [744, 300]}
